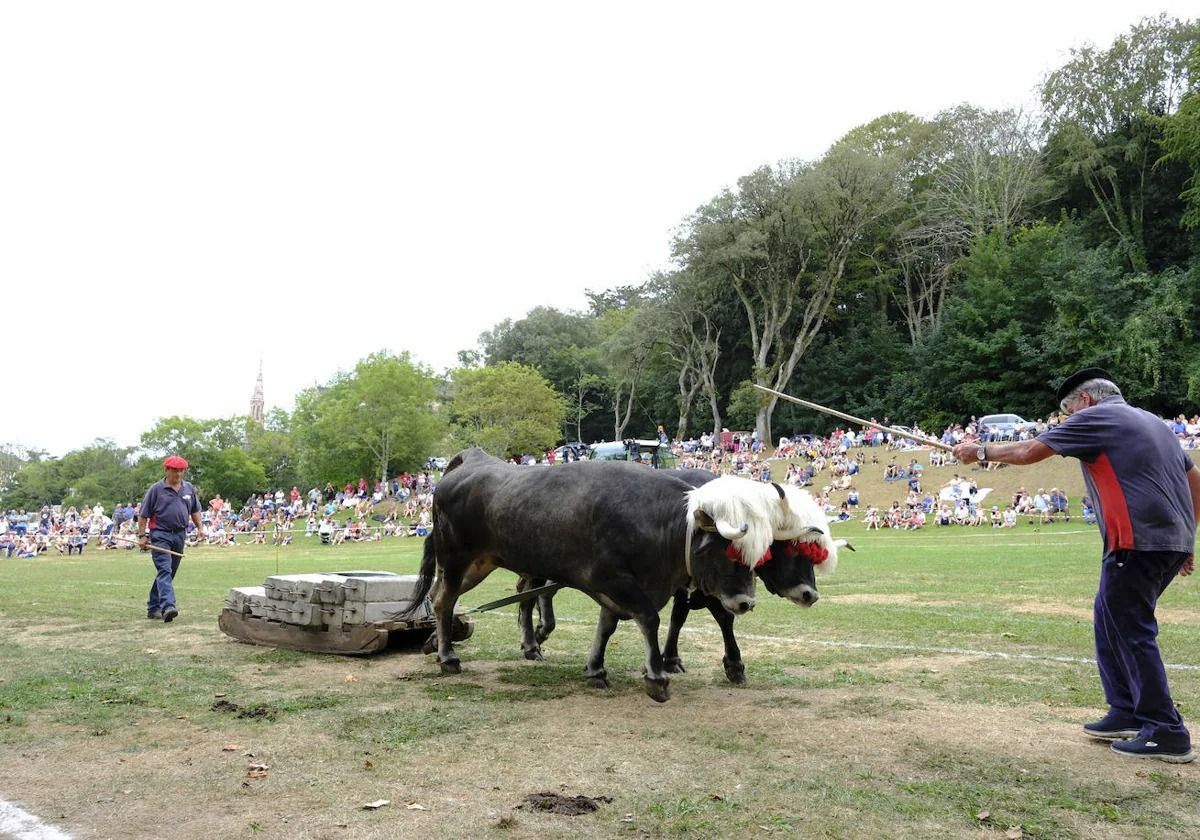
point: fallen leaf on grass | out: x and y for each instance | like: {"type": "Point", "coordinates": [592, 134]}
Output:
{"type": "Point", "coordinates": [230, 748]}
{"type": "Point", "coordinates": [150, 651]}
{"type": "Point", "coordinates": [1015, 833]}
{"type": "Point", "coordinates": [982, 816]}
{"type": "Point", "coordinates": [351, 678]}
{"type": "Point", "coordinates": [256, 774]}
{"type": "Point", "coordinates": [367, 765]}
{"type": "Point", "coordinates": [378, 803]}
{"type": "Point", "coordinates": [413, 806]}
{"type": "Point", "coordinates": [263, 767]}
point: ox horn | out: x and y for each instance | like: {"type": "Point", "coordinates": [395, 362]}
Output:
{"type": "Point", "coordinates": [726, 529]}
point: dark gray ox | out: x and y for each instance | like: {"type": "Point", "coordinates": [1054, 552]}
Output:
{"type": "Point", "coordinates": [789, 573]}
{"type": "Point", "coordinates": [616, 531]}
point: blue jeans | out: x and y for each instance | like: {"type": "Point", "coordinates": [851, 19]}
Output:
{"type": "Point", "coordinates": [1131, 667]}
{"type": "Point", "coordinates": [162, 590]}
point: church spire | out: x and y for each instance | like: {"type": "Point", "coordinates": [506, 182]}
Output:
{"type": "Point", "coordinates": [257, 404]}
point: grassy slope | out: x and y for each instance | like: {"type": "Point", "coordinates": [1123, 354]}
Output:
{"type": "Point", "coordinates": [1058, 472]}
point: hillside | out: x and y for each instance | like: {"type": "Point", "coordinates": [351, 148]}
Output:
{"type": "Point", "coordinates": [1059, 472]}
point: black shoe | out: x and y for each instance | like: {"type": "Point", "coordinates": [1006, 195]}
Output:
{"type": "Point", "coordinates": [169, 614]}
{"type": "Point", "coordinates": [1177, 753]}
{"type": "Point", "coordinates": [153, 615]}
{"type": "Point", "coordinates": [1113, 725]}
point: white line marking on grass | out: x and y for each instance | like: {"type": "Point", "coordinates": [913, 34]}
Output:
{"type": "Point", "coordinates": [991, 654]}
{"type": "Point", "coordinates": [19, 824]}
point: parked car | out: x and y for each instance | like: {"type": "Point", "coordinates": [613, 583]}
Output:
{"type": "Point", "coordinates": [438, 464]}
{"type": "Point", "coordinates": [578, 451]}
{"type": "Point", "coordinates": [651, 452]}
{"type": "Point", "coordinates": [1003, 426]}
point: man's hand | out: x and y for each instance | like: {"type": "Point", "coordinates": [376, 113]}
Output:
{"type": "Point", "coordinates": [1189, 566]}
{"type": "Point", "coordinates": [144, 541]}
{"type": "Point", "coordinates": [966, 452]}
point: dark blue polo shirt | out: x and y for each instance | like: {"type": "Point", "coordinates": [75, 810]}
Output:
{"type": "Point", "coordinates": [1136, 475]}
{"type": "Point", "coordinates": [167, 509]}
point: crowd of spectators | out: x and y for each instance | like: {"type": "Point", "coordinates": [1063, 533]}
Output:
{"type": "Point", "coordinates": [828, 465]}
{"type": "Point", "coordinates": [355, 513]}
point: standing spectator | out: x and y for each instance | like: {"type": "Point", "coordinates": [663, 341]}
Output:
{"type": "Point", "coordinates": [1147, 496]}
{"type": "Point", "coordinates": [162, 524]}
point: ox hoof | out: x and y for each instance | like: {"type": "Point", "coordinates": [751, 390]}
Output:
{"type": "Point", "coordinates": [431, 644]}
{"type": "Point", "coordinates": [534, 655]}
{"type": "Point", "coordinates": [674, 665]}
{"type": "Point", "coordinates": [658, 690]}
{"type": "Point", "coordinates": [735, 672]}
{"type": "Point", "coordinates": [451, 666]}
{"type": "Point", "coordinates": [596, 679]}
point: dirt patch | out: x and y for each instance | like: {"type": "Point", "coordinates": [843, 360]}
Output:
{"type": "Point", "coordinates": [570, 806]}
{"type": "Point", "coordinates": [251, 712]}
{"type": "Point", "coordinates": [899, 598]}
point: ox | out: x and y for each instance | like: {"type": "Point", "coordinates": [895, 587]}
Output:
{"type": "Point", "coordinates": [616, 531]}
{"type": "Point", "coordinates": [793, 542]}
{"type": "Point", "coordinates": [785, 518]}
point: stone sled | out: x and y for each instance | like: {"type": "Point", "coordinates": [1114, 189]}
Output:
{"type": "Point", "coordinates": [348, 613]}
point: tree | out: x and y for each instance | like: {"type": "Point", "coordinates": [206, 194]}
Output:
{"type": "Point", "coordinates": [1101, 107]}
{"type": "Point", "coordinates": [377, 420]}
{"type": "Point", "coordinates": [564, 347]}
{"type": "Point", "coordinates": [234, 474]}
{"type": "Point", "coordinates": [783, 242]}
{"type": "Point", "coordinates": [100, 473]}
{"type": "Point", "coordinates": [1181, 140]}
{"type": "Point", "coordinates": [505, 409]}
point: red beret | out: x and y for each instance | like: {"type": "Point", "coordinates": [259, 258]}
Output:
{"type": "Point", "coordinates": [174, 462]}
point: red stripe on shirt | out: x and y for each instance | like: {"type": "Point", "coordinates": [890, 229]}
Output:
{"type": "Point", "coordinates": [1118, 527]}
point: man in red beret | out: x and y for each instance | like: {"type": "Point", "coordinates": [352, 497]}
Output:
{"type": "Point", "coordinates": [161, 527]}
{"type": "Point", "coordinates": [1147, 496]}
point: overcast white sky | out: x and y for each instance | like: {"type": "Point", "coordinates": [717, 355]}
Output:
{"type": "Point", "coordinates": [188, 188]}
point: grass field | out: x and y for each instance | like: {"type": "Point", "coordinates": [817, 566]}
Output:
{"type": "Point", "coordinates": [935, 691]}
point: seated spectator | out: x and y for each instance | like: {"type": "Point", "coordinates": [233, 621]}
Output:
{"type": "Point", "coordinates": [1089, 513]}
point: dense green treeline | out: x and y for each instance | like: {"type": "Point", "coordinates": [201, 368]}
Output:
{"type": "Point", "coordinates": [923, 269]}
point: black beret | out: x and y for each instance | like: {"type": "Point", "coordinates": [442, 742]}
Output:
{"type": "Point", "coordinates": [1078, 378]}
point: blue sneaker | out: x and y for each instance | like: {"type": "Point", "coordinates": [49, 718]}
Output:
{"type": "Point", "coordinates": [1113, 725]}
{"type": "Point", "coordinates": [1144, 747]}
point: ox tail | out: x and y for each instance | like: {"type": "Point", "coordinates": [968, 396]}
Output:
{"type": "Point", "coordinates": [425, 576]}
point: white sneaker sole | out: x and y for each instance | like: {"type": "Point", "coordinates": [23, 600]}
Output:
{"type": "Point", "coordinates": [1113, 734]}
{"type": "Point", "coordinates": [1182, 758]}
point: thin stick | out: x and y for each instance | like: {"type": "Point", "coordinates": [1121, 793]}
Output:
{"type": "Point", "coordinates": [152, 546]}
{"type": "Point", "coordinates": [852, 419]}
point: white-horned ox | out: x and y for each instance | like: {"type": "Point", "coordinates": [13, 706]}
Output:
{"type": "Point", "coordinates": [617, 531]}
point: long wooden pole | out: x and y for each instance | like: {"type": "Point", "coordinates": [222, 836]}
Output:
{"type": "Point", "coordinates": [850, 418]}
{"type": "Point", "coordinates": [152, 546]}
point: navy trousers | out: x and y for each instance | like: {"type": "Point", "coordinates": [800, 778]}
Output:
{"type": "Point", "coordinates": [162, 590]}
{"type": "Point", "coordinates": [1131, 667]}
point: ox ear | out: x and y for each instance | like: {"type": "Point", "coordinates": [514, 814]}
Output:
{"type": "Point", "coordinates": [703, 521]}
